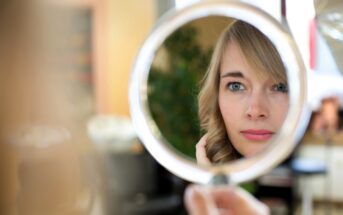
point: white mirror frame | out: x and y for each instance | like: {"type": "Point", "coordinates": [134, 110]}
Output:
{"type": "Point", "coordinates": [244, 169]}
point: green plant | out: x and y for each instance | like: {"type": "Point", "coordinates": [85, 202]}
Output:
{"type": "Point", "coordinates": [173, 91]}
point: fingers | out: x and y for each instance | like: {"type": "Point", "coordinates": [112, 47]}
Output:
{"type": "Point", "coordinates": [244, 203]}
{"type": "Point", "coordinates": [223, 195]}
{"type": "Point", "coordinates": [222, 200]}
{"type": "Point", "coordinates": [201, 152]}
{"type": "Point", "coordinates": [195, 201]}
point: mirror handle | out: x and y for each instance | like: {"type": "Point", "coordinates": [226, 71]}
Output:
{"type": "Point", "coordinates": [219, 179]}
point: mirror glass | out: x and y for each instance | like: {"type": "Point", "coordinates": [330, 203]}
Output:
{"type": "Point", "coordinates": [217, 73]}
{"type": "Point", "coordinates": [242, 96]}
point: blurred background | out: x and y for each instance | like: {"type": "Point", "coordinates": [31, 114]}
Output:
{"type": "Point", "coordinates": [67, 143]}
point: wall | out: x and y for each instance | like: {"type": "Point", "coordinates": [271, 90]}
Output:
{"type": "Point", "coordinates": [122, 28]}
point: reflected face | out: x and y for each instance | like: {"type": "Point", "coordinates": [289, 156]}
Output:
{"type": "Point", "coordinates": [253, 106]}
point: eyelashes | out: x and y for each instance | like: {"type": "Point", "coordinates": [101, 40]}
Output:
{"type": "Point", "coordinates": [235, 86]}
{"type": "Point", "coordinates": [280, 87]}
{"type": "Point", "coordinates": [238, 86]}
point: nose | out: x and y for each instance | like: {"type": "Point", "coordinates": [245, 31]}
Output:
{"type": "Point", "coordinates": [257, 107]}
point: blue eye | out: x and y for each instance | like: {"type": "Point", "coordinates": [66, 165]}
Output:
{"type": "Point", "coordinates": [281, 87]}
{"type": "Point", "coordinates": [235, 86]}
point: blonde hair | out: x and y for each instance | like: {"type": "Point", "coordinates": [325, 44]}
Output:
{"type": "Point", "coordinates": [262, 55]}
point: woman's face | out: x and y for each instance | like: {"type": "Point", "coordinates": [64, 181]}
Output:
{"type": "Point", "coordinates": [253, 107]}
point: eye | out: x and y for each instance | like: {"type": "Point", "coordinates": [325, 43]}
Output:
{"type": "Point", "coordinates": [235, 86]}
{"type": "Point", "coordinates": [280, 87]}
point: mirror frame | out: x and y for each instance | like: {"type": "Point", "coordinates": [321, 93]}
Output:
{"type": "Point", "coordinates": [243, 169]}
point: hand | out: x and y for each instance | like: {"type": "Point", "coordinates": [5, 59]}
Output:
{"type": "Point", "coordinates": [200, 152]}
{"type": "Point", "coordinates": [223, 200]}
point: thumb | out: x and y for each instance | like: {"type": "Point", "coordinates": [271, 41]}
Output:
{"type": "Point", "coordinates": [198, 203]}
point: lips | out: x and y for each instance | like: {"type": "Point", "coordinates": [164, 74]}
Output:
{"type": "Point", "coordinates": [257, 135]}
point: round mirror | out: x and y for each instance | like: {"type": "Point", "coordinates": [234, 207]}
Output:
{"type": "Point", "coordinates": [240, 70]}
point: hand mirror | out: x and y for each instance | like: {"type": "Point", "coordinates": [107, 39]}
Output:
{"type": "Point", "coordinates": [241, 170]}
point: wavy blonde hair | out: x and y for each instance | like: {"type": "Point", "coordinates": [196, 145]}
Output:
{"type": "Point", "coordinates": [262, 55]}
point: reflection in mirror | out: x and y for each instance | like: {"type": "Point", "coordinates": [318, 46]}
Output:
{"type": "Point", "coordinates": [221, 81]}
{"type": "Point", "coordinates": [174, 79]}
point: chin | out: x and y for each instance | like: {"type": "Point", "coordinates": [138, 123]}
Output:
{"type": "Point", "coordinates": [252, 150]}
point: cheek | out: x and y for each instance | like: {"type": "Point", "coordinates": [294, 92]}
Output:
{"type": "Point", "coordinates": [280, 108]}
{"type": "Point", "coordinates": [230, 109]}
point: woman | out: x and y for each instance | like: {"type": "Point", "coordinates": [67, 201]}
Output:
{"type": "Point", "coordinates": [244, 97]}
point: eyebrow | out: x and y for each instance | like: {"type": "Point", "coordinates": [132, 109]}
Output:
{"type": "Point", "coordinates": [235, 74]}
